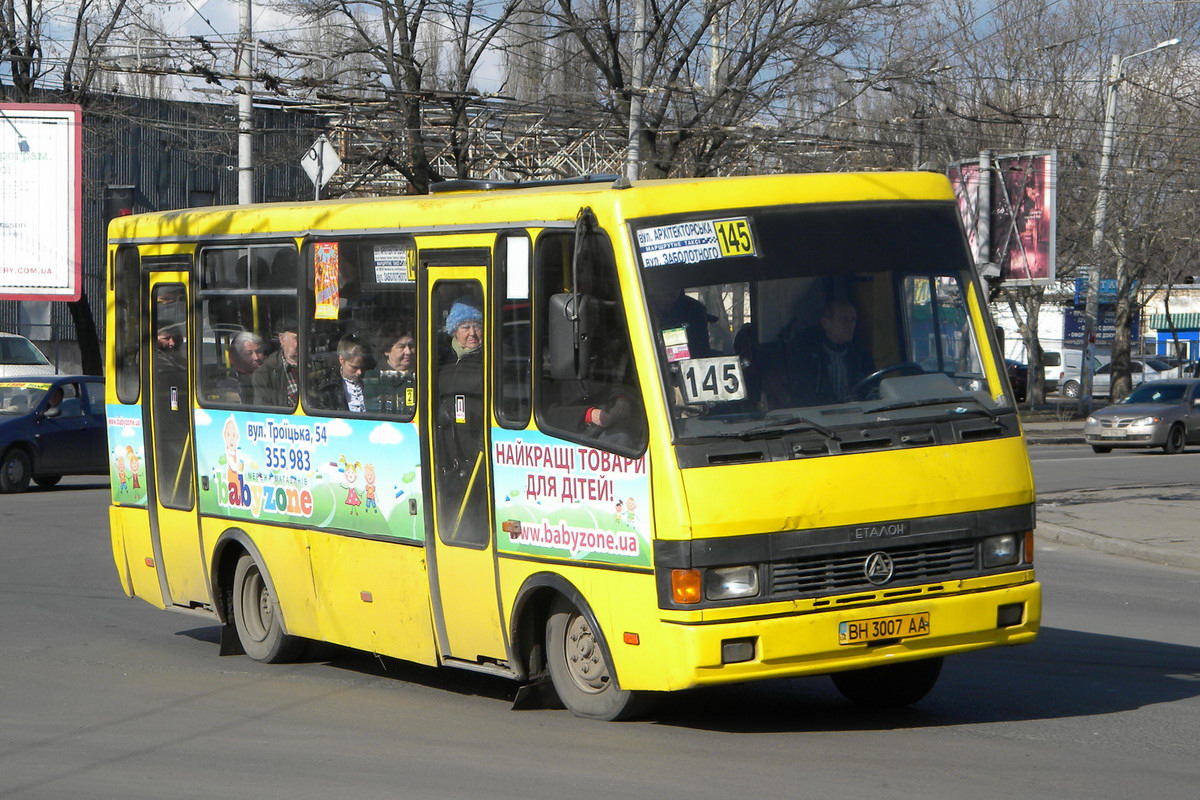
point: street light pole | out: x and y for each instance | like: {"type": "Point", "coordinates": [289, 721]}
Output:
{"type": "Point", "coordinates": [1092, 302]}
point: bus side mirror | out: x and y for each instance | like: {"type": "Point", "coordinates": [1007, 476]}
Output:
{"type": "Point", "coordinates": [570, 336]}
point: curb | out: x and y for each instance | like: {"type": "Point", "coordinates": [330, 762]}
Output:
{"type": "Point", "coordinates": [1120, 547]}
{"type": "Point", "coordinates": [1064, 439]}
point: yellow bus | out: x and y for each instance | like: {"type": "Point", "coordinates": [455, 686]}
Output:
{"type": "Point", "coordinates": [615, 438]}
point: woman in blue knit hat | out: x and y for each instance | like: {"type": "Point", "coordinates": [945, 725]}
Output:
{"type": "Point", "coordinates": [461, 424]}
{"type": "Point", "coordinates": [464, 325]}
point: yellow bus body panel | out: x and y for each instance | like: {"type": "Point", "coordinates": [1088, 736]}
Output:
{"type": "Point", "coordinates": [854, 489]}
{"type": "Point", "coordinates": [373, 596]}
{"type": "Point", "coordinates": [133, 553]}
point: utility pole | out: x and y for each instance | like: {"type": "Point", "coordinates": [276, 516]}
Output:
{"type": "Point", "coordinates": [634, 156]}
{"type": "Point", "coordinates": [245, 104]}
{"type": "Point", "coordinates": [1092, 302]}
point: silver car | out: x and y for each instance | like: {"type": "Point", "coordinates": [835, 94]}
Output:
{"type": "Point", "coordinates": [1162, 414]}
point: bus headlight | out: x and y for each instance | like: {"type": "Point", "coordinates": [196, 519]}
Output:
{"type": "Point", "coordinates": [1001, 551]}
{"type": "Point", "coordinates": [728, 583]}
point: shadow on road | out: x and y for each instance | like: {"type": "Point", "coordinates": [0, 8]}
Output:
{"type": "Point", "coordinates": [1064, 673]}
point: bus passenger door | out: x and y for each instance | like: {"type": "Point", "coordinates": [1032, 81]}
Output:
{"type": "Point", "coordinates": [169, 471]}
{"type": "Point", "coordinates": [462, 558]}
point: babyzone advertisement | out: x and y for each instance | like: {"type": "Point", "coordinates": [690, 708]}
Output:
{"type": "Point", "coordinates": [329, 473]}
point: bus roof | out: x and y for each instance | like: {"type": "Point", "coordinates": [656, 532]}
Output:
{"type": "Point", "coordinates": [528, 206]}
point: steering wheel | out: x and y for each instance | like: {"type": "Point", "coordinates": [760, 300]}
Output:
{"type": "Point", "coordinates": [869, 385]}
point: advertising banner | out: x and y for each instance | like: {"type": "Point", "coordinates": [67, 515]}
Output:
{"type": "Point", "coordinates": [357, 475]}
{"type": "Point", "coordinates": [1023, 192]}
{"type": "Point", "coordinates": [41, 253]}
{"type": "Point", "coordinates": [561, 500]}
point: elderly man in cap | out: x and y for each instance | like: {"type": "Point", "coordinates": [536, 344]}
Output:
{"type": "Point", "coordinates": [277, 381]}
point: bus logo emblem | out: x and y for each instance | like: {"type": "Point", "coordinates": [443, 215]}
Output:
{"type": "Point", "coordinates": [879, 568]}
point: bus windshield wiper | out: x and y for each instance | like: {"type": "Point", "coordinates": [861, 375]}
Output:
{"type": "Point", "coordinates": [932, 401]}
{"type": "Point", "coordinates": [792, 424]}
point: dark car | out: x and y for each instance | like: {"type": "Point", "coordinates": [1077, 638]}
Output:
{"type": "Point", "coordinates": [50, 426]}
{"type": "Point", "coordinates": [1018, 377]}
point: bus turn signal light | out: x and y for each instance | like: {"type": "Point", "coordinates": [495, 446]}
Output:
{"type": "Point", "coordinates": [685, 586]}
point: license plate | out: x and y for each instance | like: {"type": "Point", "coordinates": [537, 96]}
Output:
{"type": "Point", "coordinates": [1114, 433]}
{"type": "Point", "coordinates": [900, 626]}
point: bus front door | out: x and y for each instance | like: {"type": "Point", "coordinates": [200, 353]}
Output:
{"type": "Point", "coordinates": [462, 548]}
{"type": "Point", "coordinates": [169, 470]}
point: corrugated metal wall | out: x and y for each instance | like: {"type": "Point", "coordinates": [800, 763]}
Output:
{"type": "Point", "coordinates": [176, 155]}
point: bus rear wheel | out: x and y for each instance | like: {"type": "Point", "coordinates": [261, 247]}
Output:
{"type": "Point", "coordinates": [580, 671]}
{"type": "Point", "coordinates": [256, 616]}
{"type": "Point", "coordinates": [890, 685]}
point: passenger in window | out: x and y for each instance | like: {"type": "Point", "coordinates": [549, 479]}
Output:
{"type": "Point", "coordinates": [54, 403]}
{"type": "Point", "coordinates": [392, 388]}
{"type": "Point", "coordinates": [825, 361]}
{"type": "Point", "coordinates": [168, 355]}
{"type": "Point", "coordinates": [246, 356]}
{"type": "Point", "coordinates": [345, 392]}
{"type": "Point", "coordinates": [277, 381]}
{"type": "Point", "coordinates": [460, 387]}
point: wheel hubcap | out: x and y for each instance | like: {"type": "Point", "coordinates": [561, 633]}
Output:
{"type": "Point", "coordinates": [585, 661]}
{"type": "Point", "coordinates": [256, 601]}
{"type": "Point", "coordinates": [14, 471]}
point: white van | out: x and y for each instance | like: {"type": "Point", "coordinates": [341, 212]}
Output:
{"type": "Point", "coordinates": [19, 356]}
{"type": "Point", "coordinates": [1068, 372]}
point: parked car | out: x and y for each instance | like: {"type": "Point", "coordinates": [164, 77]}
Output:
{"type": "Point", "coordinates": [1140, 371]}
{"type": "Point", "coordinates": [51, 426]}
{"type": "Point", "coordinates": [1069, 372]}
{"type": "Point", "coordinates": [1162, 414]}
{"type": "Point", "coordinates": [19, 356]}
{"type": "Point", "coordinates": [1018, 378]}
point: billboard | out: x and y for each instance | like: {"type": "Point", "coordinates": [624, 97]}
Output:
{"type": "Point", "coordinates": [41, 198]}
{"type": "Point", "coordinates": [1021, 203]}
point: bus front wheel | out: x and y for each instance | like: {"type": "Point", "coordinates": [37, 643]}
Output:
{"type": "Point", "coordinates": [580, 671]}
{"type": "Point", "coordinates": [890, 685]}
{"type": "Point", "coordinates": [256, 616]}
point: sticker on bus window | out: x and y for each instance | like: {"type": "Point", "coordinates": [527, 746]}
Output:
{"type": "Point", "coordinates": [325, 278]}
{"type": "Point", "coordinates": [712, 380]}
{"type": "Point", "coordinates": [391, 264]}
{"type": "Point", "coordinates": [676, 344]}
{"type": "Point", "coordinates": [692, 242]}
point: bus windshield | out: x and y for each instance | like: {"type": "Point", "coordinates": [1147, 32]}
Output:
{"type": "Point", "coordinates": [818, 316]}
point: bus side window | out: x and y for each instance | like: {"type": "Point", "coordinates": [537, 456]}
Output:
{"type": "Point", "coordinates": [362, 337]}
{"type": "Point", "coordinates": [512, 330]}
{"type": "Point", "coordinates": [604, 410]}
{"type": "Point", "coordinates": [247, 298]}
{"type": "Point", "coordinates": [127, 286]}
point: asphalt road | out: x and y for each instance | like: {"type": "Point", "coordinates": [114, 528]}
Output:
{"type": "Point", "coordinates": [1060, 468]}
{"type": "Point", "coordinates": [105, 697]}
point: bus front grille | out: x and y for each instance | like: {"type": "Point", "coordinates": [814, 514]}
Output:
{"type": "Point", "coordinates": [821, 576]}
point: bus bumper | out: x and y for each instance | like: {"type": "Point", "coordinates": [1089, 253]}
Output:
{"type": "Point", "coordinates": [796, 644]}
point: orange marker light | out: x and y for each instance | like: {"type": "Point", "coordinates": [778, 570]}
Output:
{"type": "Point", "coordinates": [685, 586]}
{"type": "Point", "coordinates": [632, 638]}
{"type": "Point", "coordinates": [366, 597]}
{"type": "Point", "coordinates": [1028, 547]}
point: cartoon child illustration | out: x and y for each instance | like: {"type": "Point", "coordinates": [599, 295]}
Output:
{"type": "Point", "coordinates": [233, 466]}
{"type": "Point", "coordinates": [369, 491]}
{"type": "Point", "coordinates": [631, 511]}
{"type": "Point", "coordinates": [131, 457]}
{"type": "Point", "coordinates": [352, 498]}
{"type": "Point", "coordinates": [121, 473]}
{"type": "Point", "coordinates": [620, 508]}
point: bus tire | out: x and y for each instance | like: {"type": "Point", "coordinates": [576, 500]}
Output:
{"type": "Point", "coordinates": [256, 616]}
{"type": "Point", "coordinates": [16, 470]}
{"type": "Point", "coordinates": [580, 671]}
{"type": "Point", "coordinates": [890, 685]}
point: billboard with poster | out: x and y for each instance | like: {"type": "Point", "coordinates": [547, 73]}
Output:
{"type": "Point", "coordinates": [1022, 194]}
{"type": "Point", "coordinates": [41, 191]}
